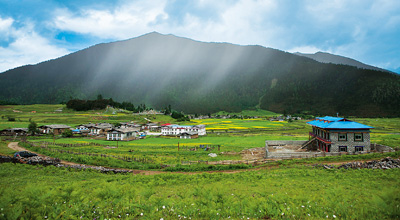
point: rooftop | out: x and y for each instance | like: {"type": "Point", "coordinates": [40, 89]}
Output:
{"type": "Point", "coordinates": [337, 123]}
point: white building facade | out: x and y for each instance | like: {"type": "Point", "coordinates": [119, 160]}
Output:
{"type": "Point", "coordinates": [176, 130]}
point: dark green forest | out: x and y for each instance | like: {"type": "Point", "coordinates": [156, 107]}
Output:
{"type": "Point", "coordinates": [197, 77]}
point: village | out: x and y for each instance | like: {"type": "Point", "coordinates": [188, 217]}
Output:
{"type": "Point", "coordinates": [328, 136]}
{"type": "Point", "coordinates": [224, 155]}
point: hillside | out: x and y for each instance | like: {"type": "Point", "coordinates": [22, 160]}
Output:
{"type": "Point", "coordinates": [199, 77]}
{"type": "Point", "coordinates": [336, 59]}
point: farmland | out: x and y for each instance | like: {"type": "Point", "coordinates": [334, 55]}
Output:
{"type": "Point", "coordinates": [289, 189]}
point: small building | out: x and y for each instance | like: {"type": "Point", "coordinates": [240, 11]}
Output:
{"type": "Point", "coordinates": [151, 127]}
{"type": "Point", "coordinates": [14, 132]}
{"type": "Point", "coordinates": [122, 134]}
{"type": "Point", "coordinates": [56, 129]}
{"type": "Point", "coordinates": [177, 130]}
{"type": "Point", "coordinates": [81, 131]}
{"type": "Point", "coordinates": [189, 135]}
{"type": "Point", "coordinates": [334, 134]}
{"type": "Point", "coordinates": [129, 125]}
{"type": "Point", "coordinates": [98, 128]}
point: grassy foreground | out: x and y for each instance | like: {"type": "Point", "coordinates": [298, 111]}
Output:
{"type": "Point", "coordinates": [36, 192]}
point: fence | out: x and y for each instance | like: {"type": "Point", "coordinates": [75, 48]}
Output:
{"type": "Point", "coordinates": [205, 147]}
{"type": "Point", "coordinates": [44, 145]}
{"type": "Point", "coordinates": [295, 155]}
{"type": "Point", "coordinates": [227, 162]}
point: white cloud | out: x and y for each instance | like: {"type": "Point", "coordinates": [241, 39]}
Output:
{"type": "Point", "coordinates": [125, 21]}
{"type": "Point", "coordinates": [305, 49]}
{"type": "Point", "coordinates": [241, 22]}
{"type": "Point", "coordinates": [349, 28]}
{"type": "Point", "coordinates": [5, 24]}
{"type": "Point", "coordinates": [25, 47]}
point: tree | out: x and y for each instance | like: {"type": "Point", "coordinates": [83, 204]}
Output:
{"type": "Point", "coordinates": [32, 128]}
{"type": "Point", "coordinates": [67, 133]}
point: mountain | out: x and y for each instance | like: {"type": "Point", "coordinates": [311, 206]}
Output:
{"type": "Point", "coordinates": [198, 77]}
{"type": "Point", "coordinates": [336, 59]}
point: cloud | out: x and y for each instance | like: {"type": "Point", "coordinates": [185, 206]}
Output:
{"type": "Point", "coordinates": [240, 22]}
{"type": "Point", "coordinates": [5, 24]}
{"type": "Point", "coordinates": [365, 30]}
{"type": "Point", "coordinates": [305, 49]}
{"type": "Point", "coordinates": [24, 46]}
{"type": "Point", "coordinates": [123, 21]}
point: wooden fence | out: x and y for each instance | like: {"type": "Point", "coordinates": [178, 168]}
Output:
{"type": "Point", "coordinates": [227, 162]}
{"type": "Point", "coordinates": [44, 145]}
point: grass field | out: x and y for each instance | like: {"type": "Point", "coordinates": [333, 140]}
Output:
{"type": "Point", "coordinates": [299, 192]}
{"type": "Point", "coordinates": [287, 189]}
{"type": "Point", "coordinates": [251, 113]}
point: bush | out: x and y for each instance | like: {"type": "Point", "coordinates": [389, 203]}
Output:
{"type": "Point", "coordinates": [67, 133]}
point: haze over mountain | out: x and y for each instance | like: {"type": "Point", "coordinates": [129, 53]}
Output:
{"type": "Point", "coordinates": [336, 59]}
{"type": "Point", "coordinates": [198, 77]}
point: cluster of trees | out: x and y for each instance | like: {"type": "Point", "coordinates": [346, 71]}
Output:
{"type": "Point", "coordinates": [2, 102]}
{"type": "Point", "coordinates": [101, 103]}
{"type": "Point", "coordinates": [179, 116]}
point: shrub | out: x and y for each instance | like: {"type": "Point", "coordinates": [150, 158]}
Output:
{"type": "Point", "coordinates": [67, 133]}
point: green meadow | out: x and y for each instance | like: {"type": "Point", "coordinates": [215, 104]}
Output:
{"type": "Point", "coordinates": [286, 189]}
{"type": "Point", "coordinates": [295, 192]}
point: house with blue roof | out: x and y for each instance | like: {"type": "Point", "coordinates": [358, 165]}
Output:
{"type": "Point", "coordinates": [335, 134]}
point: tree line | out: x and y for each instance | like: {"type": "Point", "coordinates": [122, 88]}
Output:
{"type": "Point", "coordinates": [101, 103]}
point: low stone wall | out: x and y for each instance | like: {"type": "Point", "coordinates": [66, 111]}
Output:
{"type": "Point", "coordinates": [381, 148]}
{"type": "Point", "coordinates": [289, 155]}
{"type": "Point", "coordinates": [282, 143]}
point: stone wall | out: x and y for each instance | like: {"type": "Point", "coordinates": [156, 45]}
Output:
{"type": "Point", "coordinates": [381, 148]}
{"type": "Point", "coordinates": [350, 143]}
{"type": "Point", "coordinates": [283, 143]}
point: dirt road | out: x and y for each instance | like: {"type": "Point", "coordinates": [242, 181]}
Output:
{"type": "Point", "coordinates": [16, 147]}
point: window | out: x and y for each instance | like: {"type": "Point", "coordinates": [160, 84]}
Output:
{"type": "Point", "coordinates": [359, 148]}
{"type": "Point", "coordinates": [358, 137]}
{"type": "Point", "coordinates": [342, 137]}
{"type": "Point", "coordinates": [342, 148]}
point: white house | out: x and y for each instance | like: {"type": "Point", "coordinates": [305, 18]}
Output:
{"type": "Point", "coordinates": [55, 129]}
{"type": "Point", "coordinates": [99, 128]}
{"type": "Point", "coordinates": [122, 134]}
{"type": "Point", "coordinates": [189, 135]}
{"type": "Point", "coordinates": [176, 130]}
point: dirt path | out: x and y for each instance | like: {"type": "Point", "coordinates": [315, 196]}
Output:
{"type": "Point", "coordinates": [16, 147]}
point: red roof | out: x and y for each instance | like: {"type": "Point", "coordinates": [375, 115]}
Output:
{"type": "Point", "coordinates": [166, 124]}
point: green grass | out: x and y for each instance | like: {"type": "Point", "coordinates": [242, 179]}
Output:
{"type": "Point", "coordinates": [283, 189]}
{"type": "Point", "coordinates": [5, 150]}
{"type": "Point", "coordinates": [252, 113]}
{"type": "Point", "coordinates": [45, 114]}
{"type": "Point", "coordinates": [36, 192]}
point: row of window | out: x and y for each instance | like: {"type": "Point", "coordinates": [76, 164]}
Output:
{"type": "Point", "coordinates": [357, 137]}
{"type": "Point", "coordinates": [356, 148]}
{"type": "Point", "coordinates": [172, 129]}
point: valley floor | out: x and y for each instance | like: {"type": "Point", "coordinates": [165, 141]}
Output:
{"type": "Point", "coordinates": [284, 189]}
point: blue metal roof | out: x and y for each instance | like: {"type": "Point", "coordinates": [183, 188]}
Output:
{"type": "Point", "coordinates": [336, 123]}
{"type": "Point", "coordinates": [330, 118]}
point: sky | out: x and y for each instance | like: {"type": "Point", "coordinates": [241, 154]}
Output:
{"type": "Point", "coordinates": [33, 31]}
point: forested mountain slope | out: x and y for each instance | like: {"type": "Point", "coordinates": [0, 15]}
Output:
{"type": "Point", "coordinates": [198, 77]}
